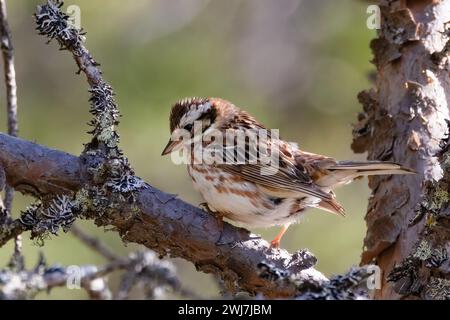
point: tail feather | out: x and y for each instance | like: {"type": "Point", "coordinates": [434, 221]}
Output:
{"type": "Point", "coordinates": [343, 172]}
{"type": "Point", "coordinates": [372, 167]}
{"type": "Point", "coordinates": [332, 206]}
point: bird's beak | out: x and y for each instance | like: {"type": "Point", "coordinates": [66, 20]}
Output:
{"type": "Point", "coordinates": [171, 146]}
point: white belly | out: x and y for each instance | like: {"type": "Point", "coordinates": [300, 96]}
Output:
{"type": "Point", "coordinates": [241, 201]}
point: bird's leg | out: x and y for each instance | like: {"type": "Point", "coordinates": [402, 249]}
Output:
{"type": "Point", "coordinates": [204, 206]}
{"type": "Point", "coordinates": [275, 243]}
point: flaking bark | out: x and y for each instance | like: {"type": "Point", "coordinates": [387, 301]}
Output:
{"type": "Point", "coordinates": [405, 119]}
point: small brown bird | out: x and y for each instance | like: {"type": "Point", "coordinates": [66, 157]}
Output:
{"type": "Point", "coordinates": [257, 193]}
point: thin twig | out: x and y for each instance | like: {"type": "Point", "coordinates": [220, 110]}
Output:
{"type": "Point", "coordinates": [94, 243]}
{"type": "Point", "coordinates": [2, 186]}
{"type": "Point", "coordinates": [25, 284]}
{"type": "Point", "coordinates": [10, 81]}
{"type": "Point", "coordinates": [126, 284]}
{"type": "Point", "coordinates": [11, 104]}
{"type": "Point", "coordinates": [130, 278]}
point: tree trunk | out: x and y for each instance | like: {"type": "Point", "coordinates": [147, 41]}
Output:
{"type": "Point", "coordinates": [405, 119]}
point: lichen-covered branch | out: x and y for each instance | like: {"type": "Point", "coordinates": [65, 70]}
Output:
{"type": "Point", "coordinates": [10, 84]}
{"type": "Point", "coordinates": [10, 71]}
{"type": "Point", "coordinates": [144, 268]}
{"type": "Point", "coordinates": [18, 283]}
{"type": "Point", "coordinates": [405, 120]}
{"type": "Point", "coordinates": [94, 243]}
{"type": "Point", "coordinates": [349, 286]}
{"type": "Point", "coordinates": [109, 186]}
{"type": "Point", "coordinates": [53, 23]}
{"type": "Point", "coordinates": [425, 272]}
{"type": "Point", "coordinates": [100, 185]}
{"type": "Point", "coordinates": [11, 106]}
{"type": "Point", "coordinates": [157, 220]}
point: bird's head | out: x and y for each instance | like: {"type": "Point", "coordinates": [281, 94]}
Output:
{"type": "Point", "coordinates": [190, 117]}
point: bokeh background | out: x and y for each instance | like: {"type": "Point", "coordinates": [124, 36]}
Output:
{"type": "Point", "coordinates": [296, 65]}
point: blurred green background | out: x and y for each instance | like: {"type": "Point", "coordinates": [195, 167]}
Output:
{"type": "Point", "coordinates": [296, 66]}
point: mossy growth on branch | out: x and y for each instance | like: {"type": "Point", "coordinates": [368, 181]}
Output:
{"type": "Point", "coordinates": [46, 218]}
{"type": "Point", "coordinates": [429, 255]}
{"type": "Point", "coordinates": [110, 179]}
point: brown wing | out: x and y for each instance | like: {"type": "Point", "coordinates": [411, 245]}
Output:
{"type": "Point", "coordinates": [288, 176]}
{"type": "Point", "coordinates": [280, 180]}
{"type": "Point", "coordinates": [315, 164]}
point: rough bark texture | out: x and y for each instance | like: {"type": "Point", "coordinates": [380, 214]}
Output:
{"type": "Point", "coordinates": [160, 222]}
{"type": "Point", "coordinates": [405, 120]}
{"type": "Point", "coordinates": [100, 185]}
{"type": "Point", "coordinates": [37, 170]}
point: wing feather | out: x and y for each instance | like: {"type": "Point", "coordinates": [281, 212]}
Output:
{"type": "Point", "coordinates": [279, 180]}
{"type": "Point", "coordinates": [288, 176]}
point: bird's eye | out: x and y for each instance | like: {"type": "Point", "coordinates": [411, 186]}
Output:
{"type": "Point", "coordinates": [188, 127]}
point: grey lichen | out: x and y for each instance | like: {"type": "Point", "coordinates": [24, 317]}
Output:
{"type": "Point", "coordinates": [438, 289]}
{"type": "Point", "coordinates": [423, 251]}
{"type": "Point", "coordinates": [26, 284]}
{"type": "Point", "coordinates": [300, 260]}
{"type": "Point", "coordinates": [437, 258]}
{"type": "Point", "coordinates": [156, 277]}
{"type": "Point", "coordinates": [54, 24]}
{"type": "Point", "coordinates": [111, 180]}
{"type": "Point", "coordinates": [105, 118]}
{"type": "Point", "coordinates": [433, 258]}
{"type": "Point", "coordinates": [44, 220]}
{"type": "Point", "coordinates": [439, 198]}
{"type": "Point", "coordinates": [434, 204]}
{"type": "Point", "coordinates": [348, 286]}
{"type": "Point", "coordinates": [22, 284]}
{"type": "Point", "coordinates": [423, 273]}
{"type": "Point", "coordinates": [82, 200]}
{"type": "Point", "coordinates": [270, 272]}
{"type": "Point", "coordinates": [406, 277]}
{"type": "Point", "coordinates": [125, 183]}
